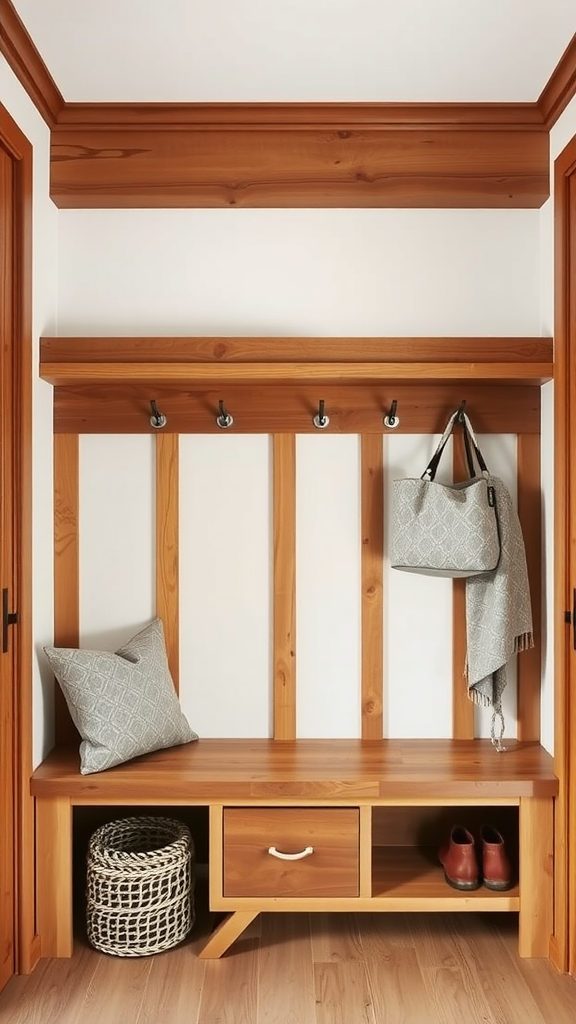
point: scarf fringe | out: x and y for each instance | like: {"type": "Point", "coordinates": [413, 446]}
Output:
{"type": "Point", "coordinates": [523, 642]}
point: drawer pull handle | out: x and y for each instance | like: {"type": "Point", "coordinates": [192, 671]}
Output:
{"type": "Point", "coordinates": [291, 856]}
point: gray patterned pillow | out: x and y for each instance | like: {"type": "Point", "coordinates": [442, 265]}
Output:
{"type": "Point", "coordinates": [122, 704]}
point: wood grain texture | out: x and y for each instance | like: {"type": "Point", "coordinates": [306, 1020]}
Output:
{"type": "Point", "coordinates": [17, 313]}
{"type": "Point", "coordinates": [343, 993]}
{"type": "Point", "coordinates": [462, 706]}
{"type": "Point", "coordinates": [560, 88]}
{"type": "Point", "coordinates": [21, 54]}
{"type": "Point", "coordinates": [275, 349]}
{"type": "Point", "coordinates": [54, 876]}
{"type": "Point", "coordinates": [295, 999]}
{"type": "Point", "coordinates": [536, 877]}
{"type": "Point", "coordinates": [284, 491]}
{"type": "Point", "coordinates": [263, 162]}
{"type": "Point", "coordinates": [372, 584]}
{"type": "Point", "coordinates": [167, 547]}
{"type": "Point", "coordinates": [71, 374]}
{"type": "Point", "coordinates": [529, 662]}
{"type": "Point", "coordinates": [422, 969]}
{"type": "Point", "coordinates": [288, 408]}
{"type": "Point", "coordinates": [564, 423]}
{"type": "Point", "coordinates": [331, 870]}
{"type": "Point", "coordinates": [216, 770]}
{"type": "Point", "coordinates": [66, 566]}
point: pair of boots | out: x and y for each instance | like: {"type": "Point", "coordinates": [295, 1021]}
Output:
{"type": "Point", "coordinates": [466, 868]}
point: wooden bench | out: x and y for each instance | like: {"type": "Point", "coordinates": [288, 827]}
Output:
{"type": "Point", "coordinates": [380, 807]}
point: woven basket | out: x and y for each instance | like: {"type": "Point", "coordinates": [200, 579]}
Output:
{"type": "Point", "coordinates": [139, 886]}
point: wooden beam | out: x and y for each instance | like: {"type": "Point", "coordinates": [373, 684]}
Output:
{"type": "Point", "coordinates": [372, 549]}
{"type": "Point", "coordinates": [284, 475]}
{"type": "Point", "coordinates": [462, 706]}
{"type": "Point", "coordinates": [66, 566]}
{"type": "Point", "coordinates": [307, 155]}
{"type": "Point", "coordinates": [167, 547]}
{"type": "Point", "coordinates": [530, 515]}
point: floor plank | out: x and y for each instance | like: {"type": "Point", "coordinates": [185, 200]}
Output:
{"type": "Point", "coordinates": [335, 938]}
{"type": "Point", "coordinates": [394, 974]}
{"type": "Point", "coordinates": [286, 977]}
{"type": "Point", "coordinates": [308, 969]}
{"type": "Point", "coordinates": [343, 993]}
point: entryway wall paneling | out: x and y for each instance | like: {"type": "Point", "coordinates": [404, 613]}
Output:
{"type": "Point", "coordinates": [423, 406]}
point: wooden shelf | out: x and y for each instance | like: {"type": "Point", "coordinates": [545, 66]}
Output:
{"type": "Point", "coordinates": [105, 385]}
{"type": "Point", "coordinates": [66, 362]}
{"type": "Point", "coordinates": [410, 873]}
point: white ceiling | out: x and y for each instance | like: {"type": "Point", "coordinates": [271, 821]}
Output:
{"type": "Point", "coordinates": [300, 50]}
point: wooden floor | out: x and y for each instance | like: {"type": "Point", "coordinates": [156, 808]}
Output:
{"type": "Point", "coordinates": [308, 969]}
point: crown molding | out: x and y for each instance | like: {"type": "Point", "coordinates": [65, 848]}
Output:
{"type": "Point", "coordinates": [26, 63]}
{"type": "Point", "coordinates": [300, 155]}
{"type": "Point", "coordinates": [561, 87]}
{"type": "Point", "coordinates": [316, 116]}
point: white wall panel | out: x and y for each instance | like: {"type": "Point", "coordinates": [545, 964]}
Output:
{"type": "Point", "coordinates": [299, 272]}
{"type": "Point", "coordinates": [328, 585]}
{"type": "Point", "coordinates": [225, 584]}
{"type": "Point", "coordinates": [417, 616]}
{"type": "Point", "coordinates": [117, 576]}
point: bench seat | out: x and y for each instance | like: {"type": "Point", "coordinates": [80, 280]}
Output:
{"type": "Point", "coordinates": [371, 778]}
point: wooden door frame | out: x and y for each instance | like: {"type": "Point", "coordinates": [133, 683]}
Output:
{"type": "Point", "coordinates": [19, 149]}
{"type": "Point", "coordinates": [563, 947]}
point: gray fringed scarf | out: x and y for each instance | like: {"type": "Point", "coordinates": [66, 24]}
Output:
{"type": "Point", "coordinates": [498, 615]}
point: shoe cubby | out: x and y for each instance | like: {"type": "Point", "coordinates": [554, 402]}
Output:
{"type": "Point", "coordinates": [404, 847]}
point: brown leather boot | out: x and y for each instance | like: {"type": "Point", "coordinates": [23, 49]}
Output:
{"type": "Point", "coordinates": [458, 858]}
{"type": "Point", "coordinates": [496, 871]}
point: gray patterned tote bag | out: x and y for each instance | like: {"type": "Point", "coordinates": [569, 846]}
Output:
{"type": "Point", "coordinates": [446, 529]}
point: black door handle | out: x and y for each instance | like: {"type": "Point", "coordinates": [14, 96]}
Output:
{"type": "Point", "coordinates": [8, 619]}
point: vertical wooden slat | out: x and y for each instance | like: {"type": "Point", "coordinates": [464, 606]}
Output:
{"type": "Point", "coordinates": [284, 716]}
{"type": "Point", "coordinates": [529, 511]}
{"type": "Point", "coordinates": [372, 586]}
{"type": "Point", "coordinates": [462, 707]}
{"type": "Point", "coordinates": [167, 547]}
{"type": "Point", "coordinates": [66, 565]}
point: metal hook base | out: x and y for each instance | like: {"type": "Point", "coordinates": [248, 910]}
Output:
{"type": "Point", "coordinates": [157, 419]}
{"type": "Point", "coordinates": [321, 422]}
{"type": "Point", "coordinates": [223, 419]}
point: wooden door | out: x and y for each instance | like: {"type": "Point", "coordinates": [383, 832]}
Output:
{"type": "Point", "coordinates": [7, 580]}
{"type": "Point", "coordinates": [17, 926]}
{"type": "Point", "coordinates": [563, 950]}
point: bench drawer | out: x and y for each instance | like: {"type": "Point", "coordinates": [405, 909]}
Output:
{"type": "Point", "coordinates": [330, 869]}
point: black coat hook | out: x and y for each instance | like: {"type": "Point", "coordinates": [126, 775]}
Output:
{"type": "Point", "coordinates": [321, 420]}
{"type": "Point", "coordinates": [392, 420]}
{"type": "Point", "coordinates": [460, 416]}
{"type": "Point", "coordinates": [223, 419]}
{"type": "Point", "coordinates": [157, 419]}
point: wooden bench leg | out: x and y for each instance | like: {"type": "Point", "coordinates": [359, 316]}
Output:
{"type": "Point", "coordinates": [54, 876]}
{"type": "Point", "coordinates": [536, 921]}
{"type": "Point", "coordinates": [226, 933]}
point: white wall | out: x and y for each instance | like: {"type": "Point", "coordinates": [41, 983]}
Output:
{"type": "Point", "coordinates": [283, 272]}
{"type": "Point", "coordinates": [21, 109]}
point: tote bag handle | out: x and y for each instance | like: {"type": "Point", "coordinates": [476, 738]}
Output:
{"type": "Point", "coordinates": [470, 444]}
